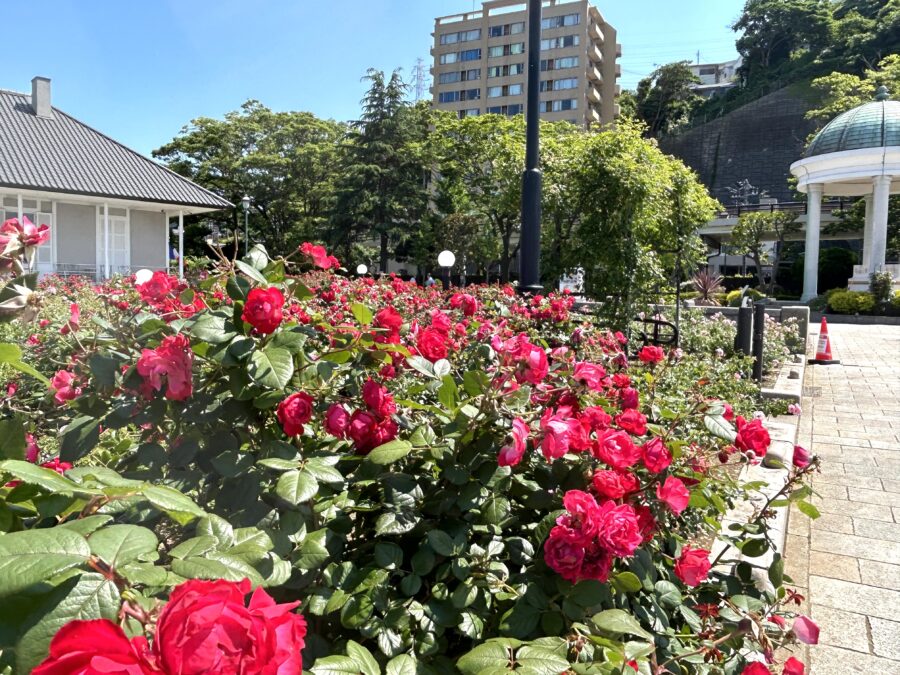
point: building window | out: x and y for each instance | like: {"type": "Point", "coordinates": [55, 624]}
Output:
{"type": "Point", "coordinates": [494, 92]}
{"type": "Point", "coordinates": [512, 109]}
{"type": "Point", "coordinates": [559, 64]}
{"type": "Point", "coordinates": [462, 36]}
{"type": "Point", "coordinates": [514, 90]}
{"type": "Point", "coordinates": [470, 55]}
{"type": "Point", "coordinates": [473, 74]}
{"type": "Point", "coordinates": [506, 71]}
{"type": "Point", "coordinates": [506, 50]}
{"type": "Point", "coordinates": [448, 97]}
{"type": "Point", "coordinates": [452, 57]}
{"type": "Point", "coordinates": [469, 112]}
{"type": "Point", "coordinates": [507, 29]}
{"type": "Point", "coordinates": [470, 95]}
{"type": "Point", "coordinates": [560, 21]}
{"type": "Point", "coordinates": [449, 78]}
{"type": "Point", "coordinates": [464, 95]}
{"type": "Point", "coordinates": [505, 90]}
{"type": "Point", "coordinates": [460, 76]}
{"type": "Point", "coordinates": [559, 105]}
{"type": "Point", "coordinates": [560, 42]}
{"type": "Point", "coordinates": [567, 83]}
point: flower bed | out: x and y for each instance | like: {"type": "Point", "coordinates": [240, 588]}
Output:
{"type": "Point", "coordinates": [468, 482]}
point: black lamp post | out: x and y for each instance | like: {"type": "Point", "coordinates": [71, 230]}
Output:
{"type": "Point", "coordinates": [530, 249]}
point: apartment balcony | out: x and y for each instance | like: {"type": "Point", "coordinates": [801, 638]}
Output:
{"type": "Point", "coordinates": [593, 73]}
{"type": "Point", "coordinates": [595, 32]}
{"type": "Point", "coordinates": [593, 94]}
{"type": "Point", "coordinates": [618, 70]}
{"type": "Point", "coordinates": [594, 54]}
{"type": "Point", "coordinates": [618, 50]}
{"type": "Point", "coordinates": [593, 115]}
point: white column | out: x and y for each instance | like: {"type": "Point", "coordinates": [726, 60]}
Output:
{"type": "Point", "coordinates": [167, 246]}
{"type": "Point", "coordinates": [181, 244]}
{"type": "Point", "coordinates": [867, 235]}
{"type": "Point", "coordinates": [19, 207]}
{"type": "Point", "coordinates": [811, 256]}
{"type": "Point", "coordinates": [106, 271]}
{"type": "Point", "coordinates": [880, 195]}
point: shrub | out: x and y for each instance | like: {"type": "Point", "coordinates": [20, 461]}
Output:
{"type": "Point", "coordinates": [851, 302]}
{"type": "Point", "coordinates": [881, 286]}
{"type": "Point", "coordinates": [708, 285]}
{"type": "Point", "coordinates": [444, 481]}
{"type": "Point", "coordinates": [733, 299]}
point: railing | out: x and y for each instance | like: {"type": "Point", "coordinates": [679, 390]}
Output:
{"type": "Point", "coordinates": [95, 272]}
{"type": "Point", "coordinates": [828, 206]}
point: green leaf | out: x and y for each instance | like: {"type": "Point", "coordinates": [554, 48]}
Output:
{"type": "Point", "coordinates": [313, 552]}
{"type": "Point", "coordinates": [441, 368]}
{"type": "Point", "coordinates": [808, 509]}
{"type": "Point", "coordinates": [388, 556]}
{"type": "Point", "coordinates": [84, 597]}
{"type": "Point", "coordinates": [719, 427]}
{"type": "Point", "coordinates": [519, 621]}
{"type": "Point", "coordinates": [448, 392]}
{"type": "Point", "coordinates": [361, 313]}
{"type": "Point", "coordinates": [251, 272]}
{"type": "Point", "coordinates": [396, 522]}
{"type": "Point", "coordinates": [619, 622]}
{"type": "Point", "coordinates": [213, 327]}
{"type": "Point", "coordinates": [79, 437]}
{"type": "Point", "coordinates": [442, 543]}
{"type": "Point", "coordinates": [296, 487]}
{"type": "Point", "coordinates": [471, 625]}
{"type": "Point", "coordinates": [32, 556]}
{"type": "Point", "coordinates": [12, 439]}
{"type": "Point", "coordinates": [196, 546]}
{"type": "Point", "coordinates": [540, 660]}
{"type": "Point", "coordinates": [44, 478]}
{"type": "Point", "coordinates": [84, 526]}
{"type": "Point", "coordinates": [117, 545]}
{"type": "Point", "coordinates": [363, 658]}
{"type": "Point", "coordinates": [271, 367]}
{"type": "Point", "coordinates": [668, 594]}
{"type": "Point", "coordinates": [627, 582]}
{"type": "Point", "coordinates": [776, 571]}
{"type": "Point", "coordinates": [754, 548]}
{"type": "Point", "coordinates": [12, 356]}
{"type": "Point", "coordinates": [335, 665]}
{"type": "Point", "coordinates": [491, 655]}
{"type": "Point", "coordinates": [174, 504]}
{"type": "Point", "coordinates": [104, 368]}
{"type": "Point", "coordinates": [358, 610]}
{"type": "Point", "coordinates": [216, 566]}
{"type": "Point", "coordinates": [421, 364]}
{"type": "Point", "coordinates": [496, 510]}
{"type": "Point", "coordinates": [403, 664]}
{"type": "Point", "coordinates": [389, 452]}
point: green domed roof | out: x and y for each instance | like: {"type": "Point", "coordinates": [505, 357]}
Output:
{"type": "Point", "coordinates": [871, 125]}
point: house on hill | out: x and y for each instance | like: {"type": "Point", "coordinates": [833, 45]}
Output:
{"type": "Point", "coordinates": [108, 207]}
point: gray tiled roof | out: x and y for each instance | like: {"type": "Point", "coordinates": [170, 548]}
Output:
{"type": "Point", "coordinates": [871, 125]}
{"type": "Point", "coordinates": [61, 154]}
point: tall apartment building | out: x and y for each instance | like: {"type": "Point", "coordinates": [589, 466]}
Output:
{"type": "Point", "coordinates": [480, 62]}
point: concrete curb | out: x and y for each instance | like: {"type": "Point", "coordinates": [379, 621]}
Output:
{"type": "Point", "coordinates": [772, 473]}
{"type": "Point", "coordinates": [785, 386]}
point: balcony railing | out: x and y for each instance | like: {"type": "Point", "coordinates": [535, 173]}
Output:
{"type": "Point", "coordinates": [828, 206]}
{"type": "Point", "coordinates": [593, 72]}
{"type": "Point", "coordinates": [595, 32]}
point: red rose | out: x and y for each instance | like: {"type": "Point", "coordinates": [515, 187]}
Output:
{"type": "Point", "coordinates": [156, 287]}
{"type": "Point", "coordinates": [561, 434]}
{"type": "Point", "coordinates": [674, 494]}
{"type": "Point", "coordinates": [628, 398]}
{"type": "Point", "coordinates": [620, 532]}
{"type": "Point", "coordinates": [432, 344]}
{"type": "Point", "coordinates": [440, 322]}
{"type": "Point", "coordinates": [367, 432]}
{"type": "Point", "coordinates": [614, 484]}
{"type": "Point", "coordinates": [595, 418]}
{"type": "Point", "coordinates": [632, 421]}
{"type": "Point", "coordinates": [207, 628]}
{"type": "Point", "coordinates": [64, 388]}
{"type": "Point", "coordinates": [94, 648]}
{"type": "Point", "coordinates": [319, 256]}
{"type": "Point", "coordinates": [564, 553]}
{"type": "Point", "coordinates": [294, 411]}
{"type": "Point", "coordinates": [692, 566]}
{"type": "Point", "coordinates": [729, 412]}
{"type": "Point", "coordinates": [264, 309]}
{"type": "Point", "coordinates": [616, 449]}
{"type": "Point", "coordinates": [756, 668]}
{"type": "Point", "coordinates": [752, 436]}
{"type": "Point", "coordinates": [535, 366]}
{"type": "Point", "coordinates": [582, 514]}
{"type": "Point", "coordinates": [390, 320]}
{"type": "Point", "coordinates": [378, 399]}
{"type": "Point", "coordinates": [590, 375]}
{"type": "Point", "coordinates": [656, 456]}
{"type": "Point", "coordinates": [793, 666]}
{"type": "Point", "coordinates": [337, 420]}
{"type": "Point", "coordinates": [172, 359]}
{"type": "Point", "coordinates": [651, 354]}
{"type": "Point", "coordinates": [466, 302]}
{"type": "Point", "coordinates": [646, 521]}
{"type": "Point", "coordinates": [597, 563]}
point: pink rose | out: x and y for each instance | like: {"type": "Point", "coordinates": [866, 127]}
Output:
{"type": "Point", "coordinates": [693, 566]}
{"type": "Point", "coordinates": [614, 484]}
{"type": "Point", "coordinates": [651, 354]}
{"type": "Point", "coordinates": [655, 455]}
{"type": "Point", "coordinates": [511, 454]}
{"type": "Point", "coordinates": [628, 398]}
{"type": "Point", "coordinates": [294, 411]}
{"type": "Point", "coordinates": [674, 494]}
{"type": "Point", "coordinates": [319, 256]}
{"type": "Point", "coordinates": [64, 388]}
{"type": "Point", "coordinates": [632, 421]}
{"type": "Point", "coordinates": [620, 532]}
{"type": "Point", "coordinates": [801, 457]}
{"type": "Point", "coordinates": [337, 420]}
{"type": "Point", "coordinates": [173, 359]}
{"type": "Point", "coordinates": [264, 309]}
{"type": "Point", "coordinates": [590, 375]}
{"type": "Point", "coordinates": [616, 449]}
{"type": "Point", "coordinates": [806, 630]}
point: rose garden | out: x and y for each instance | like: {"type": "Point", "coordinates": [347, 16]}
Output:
{"type": "Point", "coordinates": [276, 467]}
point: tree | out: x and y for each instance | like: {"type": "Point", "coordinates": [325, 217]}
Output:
{"type": "Point", "coordinates": [382, 189]}
{"type": "Point", "coordinates": [285, 162]}
{"type": "Point", "coordinates": [840, 92]}
{"type": "Point", "coordinates": [665, 99]}
{"type": "Point", "coordinates": [752, 233]}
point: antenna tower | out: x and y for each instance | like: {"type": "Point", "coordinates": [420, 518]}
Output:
{"type": "Point", "coordinates": [420, 78]}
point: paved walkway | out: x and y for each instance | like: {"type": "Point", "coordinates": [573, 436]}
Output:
{"type": "Point", "coordinates": [847, 562]}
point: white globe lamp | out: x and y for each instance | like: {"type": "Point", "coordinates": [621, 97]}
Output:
{"type": "Point", "coordinates": [361, 269]}
{"type": "Point", "coordinates": [142, 276]}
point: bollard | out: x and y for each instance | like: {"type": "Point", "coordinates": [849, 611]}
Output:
{"type": "Point", "coordinates": [759, 329]}
{"type": "Point", "coordinates": [744, 337]}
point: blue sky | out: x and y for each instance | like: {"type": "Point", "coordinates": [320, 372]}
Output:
{"type": "Point", "coordinates": [140, 70]}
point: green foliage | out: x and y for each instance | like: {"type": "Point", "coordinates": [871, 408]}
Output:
{"type": "Point", "coordinates": [881, 287]}
{"type": "Point", "coordinates": [851, 302]}
{"type": "Point", "coordinates": [754, 230]}
{"type": "Point", "coordinates": [733, 299]}
{"type": "Point", "coordinates": [665, 99]}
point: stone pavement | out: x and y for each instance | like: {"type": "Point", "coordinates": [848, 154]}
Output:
{"type": "Point", "coordinates": [847, 562]}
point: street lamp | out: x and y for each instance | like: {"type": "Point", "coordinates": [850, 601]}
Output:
{"type": "Point", "coordinates": [446, 260]}
{"type": "Point", "coordinates": [245, 202]}
{"type": "Point", "coordinates": [529, 258]}
{"type": "Point", "coordinates": [361, 269]}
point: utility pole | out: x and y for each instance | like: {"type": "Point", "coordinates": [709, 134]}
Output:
{"type": "Point", "coordinates": [530, 249]}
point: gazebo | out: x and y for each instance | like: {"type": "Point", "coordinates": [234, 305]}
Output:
{"type": "Point", "coordinates": [856, 155]}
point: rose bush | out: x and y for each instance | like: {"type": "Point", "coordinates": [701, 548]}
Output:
{"type": "Point", "coordinates": [444, 483]}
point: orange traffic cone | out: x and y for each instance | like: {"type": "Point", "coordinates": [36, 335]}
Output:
{"type": "Point", "coordinates": [823, 348]}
